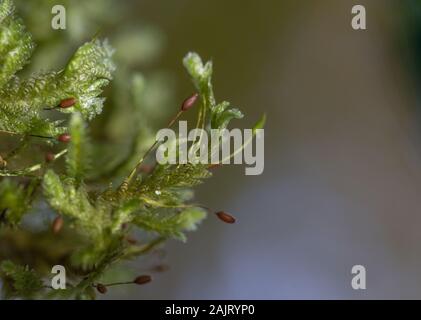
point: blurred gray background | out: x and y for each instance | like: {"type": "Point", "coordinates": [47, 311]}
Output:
{"type": "Point", "coordinates": [342, 180]}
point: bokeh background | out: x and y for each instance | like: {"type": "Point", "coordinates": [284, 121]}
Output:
{"type": "Point", "coordinates": [342, 179]}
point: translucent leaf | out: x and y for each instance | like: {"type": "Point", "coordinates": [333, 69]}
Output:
{"type": "Point", "coordinates": [170, 224]}
{"type": "Point", "coordinates": [19, 281]}
{"type": "Point", "coordinates": [16, 45]}
{"type": "Point", "coordinates": [13, 202]}
{"type": "Point", "coordinates": [78, 157]}
{"type": "Point", "coordinates": [22, 101]}
{"type": "Point", "coordinates": [222, 115]}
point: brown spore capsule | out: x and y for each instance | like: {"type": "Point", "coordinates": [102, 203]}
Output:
{"type": "Point", "coordinates": [65, 137]}
{"type": "Point", "coordinates": [101, 288]}
{"type": "Point", "coordinates": [140, 280]}
{"type": "Point", "coordinates": [49, 157]}
{"type": "Point", "coordinates": [225, 217]}
{"type": "Point", "coordinates": [189, 102]}
{"type": "Point", "coordinates": [67, 103]}
{"type": "Point", "coordinates": [57, 224]}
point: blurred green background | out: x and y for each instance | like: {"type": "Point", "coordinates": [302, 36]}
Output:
{"type": "Point", "coordinates": [342, 162]}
